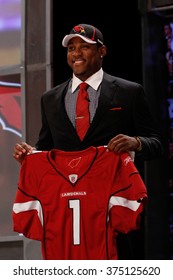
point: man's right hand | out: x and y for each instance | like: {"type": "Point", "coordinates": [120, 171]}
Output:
{"type": "Point", "coordinates": [21, 150]}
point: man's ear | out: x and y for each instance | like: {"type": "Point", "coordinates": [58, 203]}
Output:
{"type": "Point", "coordinates": [103, 51]}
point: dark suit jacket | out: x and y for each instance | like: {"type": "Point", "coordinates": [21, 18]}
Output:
{"type": "Point", "coordinates": [122, 108]}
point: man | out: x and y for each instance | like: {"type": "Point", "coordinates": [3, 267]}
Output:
{"type": "Point", "coordinates": [119, 112]}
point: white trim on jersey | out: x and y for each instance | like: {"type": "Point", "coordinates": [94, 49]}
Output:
{"type": "Point", "coordinates": [27, 206]}
{"type": "Point", "coordinates": [124, 202]}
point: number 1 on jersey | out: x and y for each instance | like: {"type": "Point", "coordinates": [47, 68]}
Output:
{"type": "Point", "coordinates": [74, 204]}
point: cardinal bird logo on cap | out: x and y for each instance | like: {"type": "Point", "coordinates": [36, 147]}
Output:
{"type": "Point", "coordinates": [10, 110]}
{"type": "Point", "coordinates": [79, 29]}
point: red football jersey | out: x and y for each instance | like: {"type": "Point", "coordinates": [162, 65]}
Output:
{"type": "Point", "coordinates": [75, 203]}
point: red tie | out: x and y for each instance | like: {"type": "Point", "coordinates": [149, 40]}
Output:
{"type": "Point", "coordinates": [82, 111]}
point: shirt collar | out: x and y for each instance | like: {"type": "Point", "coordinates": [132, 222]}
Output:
{"type": "Point", "coordinates": [94, 81]}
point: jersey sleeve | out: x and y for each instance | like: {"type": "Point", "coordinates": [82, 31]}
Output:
{"type": "Point", "coordinates": [127, 203]}
{"type": "Point", "coordinates": [27, 211]}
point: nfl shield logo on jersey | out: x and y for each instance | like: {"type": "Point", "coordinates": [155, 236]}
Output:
{"type": "Point", "coordinates": [73, 178]}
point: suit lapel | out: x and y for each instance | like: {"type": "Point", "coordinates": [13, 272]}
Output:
{"type": "Point", "coordinates": [107, 95]}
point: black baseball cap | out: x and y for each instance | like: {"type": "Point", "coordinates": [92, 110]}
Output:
{"type": "Point", "coordinates": [86, 32]}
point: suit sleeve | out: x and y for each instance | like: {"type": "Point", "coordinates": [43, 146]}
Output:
{"type": "Point", "coordinates": [127, 203]}
{"type": "Point", "coordinates": [45, 141]}
{"type": "Point", "coordinates": [27, 212]}
{"type": "Point", "coordinates": [146, 127]}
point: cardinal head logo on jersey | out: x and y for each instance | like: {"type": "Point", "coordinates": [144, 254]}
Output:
{"type": "Point", "coordinates": [73, 178]}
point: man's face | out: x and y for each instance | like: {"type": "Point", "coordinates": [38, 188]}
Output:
{"type": "Point", "coordinates": [83, 58]}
